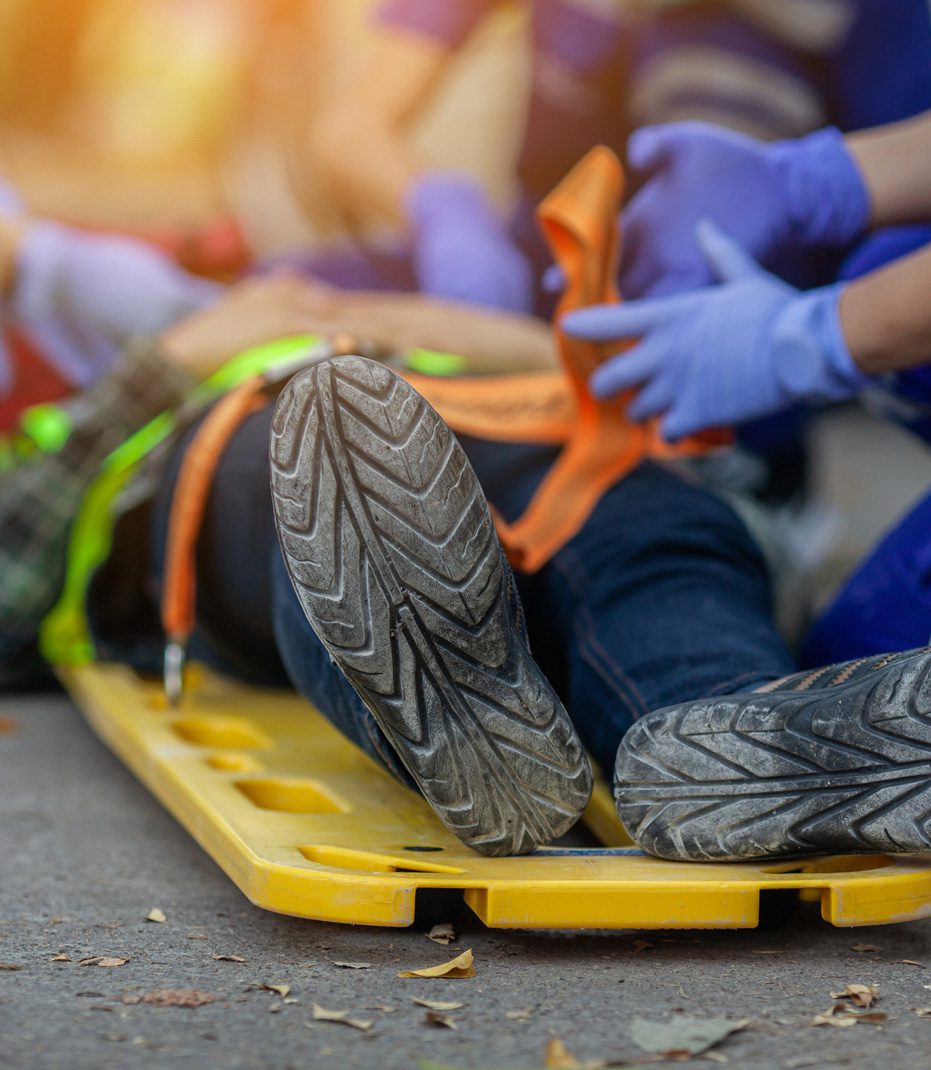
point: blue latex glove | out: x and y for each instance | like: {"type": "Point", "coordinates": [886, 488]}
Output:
{"type": "Point", "coordinates": [771, 197]}
{"type": "Point", "coordinates": [725, 354]}
{"type": "Point", "coordinates": [81, 296]}
{"type": "Point", "coordinates": [768, 197]}
{"type": "Point", "coordinates": [462, 250]}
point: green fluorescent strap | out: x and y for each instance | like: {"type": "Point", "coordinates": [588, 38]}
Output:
{"type": "Point", "coordinates": [49, 426]}
{"type": "Point", "coordinates": [141, 443]}
{"type": "Point", "coordinates": [251, 362]}
{"type": "Point", "coordinates": [64, 637]}
{"type": "Point", "coordinates": [435, 362]}
{"type": "Point", "coordinates": [259, 359]}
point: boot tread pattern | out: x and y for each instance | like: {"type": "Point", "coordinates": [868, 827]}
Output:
{"type": "Point", "coordinates": [395, 560]}
{"type": "Point", "coordinates": [832, 768]}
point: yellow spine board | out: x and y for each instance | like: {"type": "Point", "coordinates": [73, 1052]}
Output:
{"type": "Point", "coordinates": [307, 825]}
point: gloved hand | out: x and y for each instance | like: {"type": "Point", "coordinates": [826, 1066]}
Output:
{"type": "Point", "coordinates": [724, 354]}
{"type": "Point", "coordinates": [462, 250]}
{"type": "Point", "coordinates": [769, 197]}
{"type": "Point", "coordinates": [82, 296]}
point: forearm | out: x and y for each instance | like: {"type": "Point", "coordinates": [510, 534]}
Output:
{"type": "Point", "coordinates": [895, 162]}
{"type": "Point", "coordinates": [886, 316]}
{"type": "Point", "coordinates": [368, 166]}
{"type": "Point", "coordinates": [360, 142]}
{"type": "Point", "coordinates": [490, 341]}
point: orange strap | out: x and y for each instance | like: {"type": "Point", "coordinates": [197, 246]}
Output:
{"type": "Point", "coordinates": [528, 407]}
{"type": "Point", "coordinates": [579, 219]}
{"type": "Point", "coordinates": [189, 502]}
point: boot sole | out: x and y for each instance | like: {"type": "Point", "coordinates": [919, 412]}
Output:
{"type": "Point", "coordinates": [839, 769]}
{"type": "Point", "coordinates": [395, 560]}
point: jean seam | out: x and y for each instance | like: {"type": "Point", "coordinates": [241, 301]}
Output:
{"type": "Point", "coordinates": [623, 689]}
{"type": "Point", "coordinates": [566, 564]}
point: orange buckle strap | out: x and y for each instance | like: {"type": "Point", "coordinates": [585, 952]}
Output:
{"type": "Point", "coordinates": [188, 505]}
{"type": "Point", "coordinates": [579, 219]}
{"type": "Point", "coordinates": [520, 407]}
{"type": "Point", "coordinates": [192, 489]}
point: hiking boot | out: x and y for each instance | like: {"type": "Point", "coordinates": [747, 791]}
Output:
{"type": "Point", "coordinates": [832, 761]}
{"type": "Point", "coordinates": [394, 558]}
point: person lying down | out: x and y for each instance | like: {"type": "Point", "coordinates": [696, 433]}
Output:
{"type": "Point", "coordinates": [348, 551]}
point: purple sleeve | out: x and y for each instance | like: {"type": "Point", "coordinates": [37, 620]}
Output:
{"type": "Point", "coordinates": [447, 21]}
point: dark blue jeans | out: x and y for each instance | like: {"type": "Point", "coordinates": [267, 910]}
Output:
{"type": "Point", "coordinates": [662, 597]}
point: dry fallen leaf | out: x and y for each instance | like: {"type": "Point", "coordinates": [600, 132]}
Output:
{"type": "Point", "coordinates": [197, 936]}
{"type": "Point", "coordinates": [643, 945]}
{"type": "Point", "coordinates": [558, 1057]}
{"type": "Point", "coordinates": [353, 965]}
{"type": "Point", "coordinates": [841, 1015]}
{"type": "Point", "coordinates": [103, 960]}
{"type": "Point", "coordinates": [441, 1021]}
{"type": "Point", "coordinates": [438, 1004]}
{"type": "Point", "coordinates": [156, 915]}
{"type": "Point", "coordinates": [923, 1012]}
{"type": "Point", "coordinates": [830, 1019]}
{"type": "Point", "coordinates": [442, 933]}
{"type": "Point", "coordinates": [8, 725]}
{"type": "Point", "coordinates": [229, 958]}
{"type": "Point", "coordinates": [865, 947]}
{"type": "Point", "coordinates": [860, 995]}
{"type": "Point", "coordinates": [910, 962]}
{"type": "Point", "coordinates": [173, 997]}
{"type": "Point", "coordinates": [9, 966]}
{"type": "Point", "coordinates": [519, 1016]}
{"type": "Point", "coordinates": [763, 951]}
{"type": "Point", "coordinates": [460, 966]}
{"type": "Point", "coordinates": [61, 958]}
{"type": "Point", "coordinates": [282, 990]}
{"type": "Point", "coordinates": [681, 1036]}
{"type": "Point", "coordinates": [321, 1014]}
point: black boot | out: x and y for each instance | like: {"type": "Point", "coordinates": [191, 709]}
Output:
{"type": "Point", "coordinates": [832, 761]}
{"type": "Point", "coordinates": [394, 557]}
